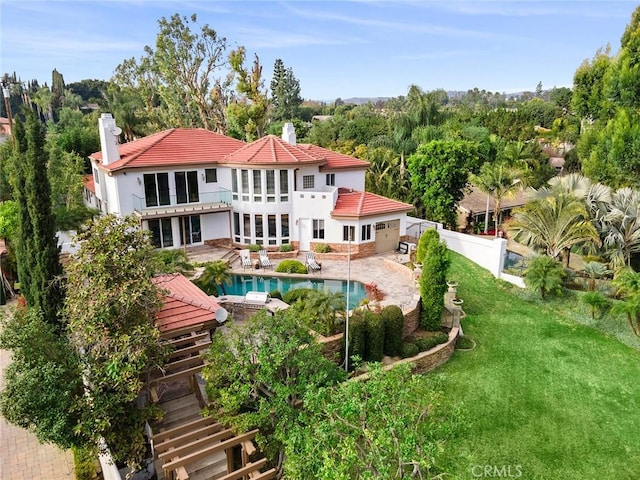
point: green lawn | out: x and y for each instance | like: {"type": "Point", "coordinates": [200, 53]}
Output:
{"type": "Point", "coordinates": [557, 398]}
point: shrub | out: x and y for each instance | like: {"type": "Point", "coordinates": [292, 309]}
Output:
{"type": "Point", "coordinates": [84, 460]}
{"type": "Point", "coordinates": [598, 303]}
{"type": "Point", "coordinates": [291, 266]}
{"type": "Point", "coordinates": [544, 274]}
{"type": "Point", "coordinates": [433, 279]}
{"type": "Point", "coordinates": [322, 248]}
{"type": "Point", "coordinates": [286, 247]}
{"type": "Point", "coordinates": [357, 336]}
{"type": "Point", "coordinates": [374, 339]}
{"type": "Point", "coordinates": [427, 343]}
{"type": "Point", "coordinates": [393, 320]}
{"type": "Point", "coordinates": [275, 294]}
{"type": "Point", "coordinates": [409, 350]}
{"type": "Point", "coordinates": [254, 247]}
{"type": "Point", "coordinates": [464, 343]}
{"type": "Point", "coordinates": [292, 296]}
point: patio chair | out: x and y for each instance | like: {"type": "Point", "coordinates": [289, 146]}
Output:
{"type": "Point", "coordinates": [265, 262]}
{"type": "Point", "coordinates": [311, 262]}
{"type": "Point", "coordinates": [245, 260]}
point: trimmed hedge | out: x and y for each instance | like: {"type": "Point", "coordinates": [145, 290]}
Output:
{"type": "Point", "coordinates": [409, 350]}
{"type": "Point", "coordinates": [291, 266]}
{"type": "Point", "coordinates": [292, 296]}
{"type": "Point", "coordinates": [275, 294]}
{"type": "Point", "coordinates": [286, 247]}
{"type": "Point", "coordinates": [427, 343]}
{"type": "Point", "coordinates": [322, 248]}
{"type": "Point", "coordinates": [393, 320]}
{"type": "Point", "coordinates": [357, 336]}
{"type": "Point", "coordinates": [433, 283]}
{"type": "Point", "coordinates": [374, 340]}
{"type": "Point", "coordinates": [254, 247]}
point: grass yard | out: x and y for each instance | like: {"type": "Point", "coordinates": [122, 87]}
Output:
{"type": "Point", "coordinates": [547, 396]}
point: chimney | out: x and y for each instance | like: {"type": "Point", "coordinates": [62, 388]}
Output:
{"type": "Point", "coordinates": [109, 133]}
{"type": "Point", "coordinates": [289, 133]}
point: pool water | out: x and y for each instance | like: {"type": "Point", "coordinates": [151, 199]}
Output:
{"type": "Point", "coordinates": [241, 284]}
{"type": "Point", "coordinates": [514, 260]}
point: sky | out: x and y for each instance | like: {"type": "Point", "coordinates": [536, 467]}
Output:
{"type": "Point", "coordinates": [337, 49]}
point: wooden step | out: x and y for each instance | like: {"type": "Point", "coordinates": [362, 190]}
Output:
{"type": "Point", "coordinates": [196, 445]}
{"type": "Point", "coordinates": [241, 472]}
{"type": "Point", "coordinates": [209, 468]}
{"type": "Point", "coordinates": [164, 434]}
{"type": "Point", "coordinates": [194, 434]}
{"type": "Point", "coordinates": [181, 342]}
{"type": "Point", "coordinates": [188, 351]}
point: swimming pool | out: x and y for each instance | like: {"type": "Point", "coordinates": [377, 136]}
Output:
{"type": "Point", "coordinates": [241, 284]}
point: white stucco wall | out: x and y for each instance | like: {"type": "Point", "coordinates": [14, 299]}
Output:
{"type": "Point", "coordinates": [353, 179]}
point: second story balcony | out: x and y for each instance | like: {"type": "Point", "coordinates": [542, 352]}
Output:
{"type": "Point", "coordinates": [169, 205]}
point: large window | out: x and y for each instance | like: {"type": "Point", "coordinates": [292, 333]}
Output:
{"type": "Point", "coordinates": [284, 186]}
{"type": "Point", "coordinates": [257, 185]}
{"type": "Point", "coordinates": [284, 227]}
{"type": "Point", "coordinates": [259, 230]}
{"type": "Point", "coordinates": [245, 185]}
{"type": "Point", "coordinates": [308, 181]}
{"type": "Point", "coordinates": [271, 226]}
{"type": "Point", "coordinates": [366, 232]}
{"type": "Point", "coordinates": [161, 232]}
{"type": "Point", "coordinates": [190, 231]}
{"type": "Point", "coordinates": [236, 226]}
{"type": "Point", "coordinates": [271, 186]}
{"type": "Point", "coordinates": [210, 175]}
{"type": "Point", "coordinates": [96, 178]}
{"type": "Point", "coordinates": [246, 227]}
{"type": "Point", "coordinates": [187, 187]}
{"type": "Point", "coordinates": [156, 189]}
{"type": "Point", "coordinates": [318, 229]}
{"type": "Point", "coordinates": [331, 179]}
{"type": "Point", "coordinates": [348, 233]}
{"type": "Point", "coordinates": [234, 183]}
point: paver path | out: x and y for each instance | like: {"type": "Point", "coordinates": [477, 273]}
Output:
{"type": "Point", "coordinates": [22, 457]}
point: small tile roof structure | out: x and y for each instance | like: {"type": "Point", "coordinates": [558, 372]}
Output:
{"type": "Point", "coordinates": [185, 305]}
{"type": "Point", "coordinates": [89, 183]}
{"type": "Point", "coordinates": [272, 150]}
{"type": "Point", "coordinates": [356, 204]}
{"type": "Point", "coordinates": [335, 160]}
{"type": "Point", "coordinates": [176, 146]}
{"type": "Point", "coordinates": [476, 201]}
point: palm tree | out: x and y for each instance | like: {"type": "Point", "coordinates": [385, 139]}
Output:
{"type": "Point", "coordinates": [553, 224]}
{"type": "Point", "coordinates": [627, 284]}
{"type": "Point", "coordinates": [544, 274]}
{"type": "Point", "coordinates": [497, 181]}
{"type": "Point", "coordinates": [172, 261]}
{"type": "Point", "coordinates": [215, 275]}
{"type": "Point", "coordinates": [323, 310]}
{"type": "Point", "coordinates": [621, 227]}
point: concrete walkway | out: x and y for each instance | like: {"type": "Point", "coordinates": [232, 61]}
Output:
{"type": "Point", "coordinates": [22, 457]}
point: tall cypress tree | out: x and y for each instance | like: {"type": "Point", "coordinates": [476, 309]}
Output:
{"type": "Point", "coordinates": [38, 252]}
{"type": "Point", "coordinates": [285, 92]}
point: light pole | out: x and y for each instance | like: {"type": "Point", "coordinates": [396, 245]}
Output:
{"type": "Point", "coordinates": [6, 93]}
{"type": "Point", "coordinates": [346, 332]}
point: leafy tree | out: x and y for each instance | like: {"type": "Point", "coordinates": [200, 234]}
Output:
{"type": "Point", "coordinates": [259, 374]}
{"type": "Point", "coordinates": [37, 249]}
{"type": "Point", "coordinates": [498, 181]}
{"type": "Point", "coordinates": [252, 110]}
{"type": "Point", "coordinates": [621, 227]}
{"type": "Point", "coordinates": [622, 82]}
{"type": "Point", "coordinates": [545, 274]}
{"type": "Point", "coordinates": [172, 261]}
{"type": "Point", "coordinates": [395, 425]}
{"type": "Point", "coordinates": [285, 92]}
{"type": "Point", "coordinates": [322, 311]}
{"type": "Point", "coordinates": [43, 380]}
{"type": "Point", "coordinates": [88, 89]}
{"type": "Point", "coordinates": [596, 302]}
{"type": "Point", "coordinates": [9, 219]}
{"type": "Point", "coordinates": [214, 277]}
{"type": "Point", "coordinates": [109, 309]}
{"type": "Point", "coordinates": [433, 281]}
{"type": "Point", "coordinates": [439, 173]}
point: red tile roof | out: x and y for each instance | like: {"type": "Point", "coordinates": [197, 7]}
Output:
{"type": "Point", "coordinates": [89, 183]}
{"type": "Point", "coordinates": [185, 305]}
{"type": "Point", "coordinates": [177, 146]}
{"type": "Point", "coordinates": [272, 150]}
{"type": "Point", "coordinates": [335, 160]}
{"type": "Point", "coordinates": [364, 204]}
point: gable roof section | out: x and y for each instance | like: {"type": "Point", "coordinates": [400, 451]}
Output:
{"type": "Point", "coordinates": [176, 146]}
{"type": "Point", "coordinates": [356, 204]}
{"type": "Point", "coordinates": [272, 150]}
{"type": "Point", "coordinates": [185, 305]}
{"type": "Point", "coordinates": [89, 183]}
{"type": "Point", "coordinates": [335, 160]}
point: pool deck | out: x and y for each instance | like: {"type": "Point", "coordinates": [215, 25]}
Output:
{"type": "Point", "coordinates": [386, 270]}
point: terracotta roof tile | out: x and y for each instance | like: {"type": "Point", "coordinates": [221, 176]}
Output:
{"type": "Point", "coordinates": [185, 304]}
{"type": "Point", "coordinates": [335, 160]}
{"type": "Point", "coordinates": [177, 146]}
{"type": "Point", "coordinates": [272, 150]}
{"type": "Point", "coordinates": [364, 204]}
{"type": "Point", "coordinates": [89, 183]}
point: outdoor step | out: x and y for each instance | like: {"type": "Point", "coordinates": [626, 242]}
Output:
{"type": "Point", "coordinates": [187, 437]}
{"type": "Point", "coordinates": [182, 429]}
{"type": "Point", "coordinates": [208, 468]}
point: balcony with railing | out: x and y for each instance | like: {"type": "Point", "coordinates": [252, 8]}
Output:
{"type": "Point", "coordinates": [168, 205]}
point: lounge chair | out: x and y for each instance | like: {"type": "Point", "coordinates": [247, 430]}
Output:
{"type": "Point", "coordinates": [245, 259]}
{"type": "Point", "coordinates": [265, 262]}
{"type": "Point", "coordinates": [311, 262]}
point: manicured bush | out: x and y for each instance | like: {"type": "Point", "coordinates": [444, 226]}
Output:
{"type": "Point", "coordinates": [286, 247]}
{"type": "Point", "coordinates": [545, 275]}
{"type": "Point", "coordinates": [409, 350]}
{"type": "Point", "coordinates": [433, 282]}
{"type": "Point", "coordinates": [291, 266]}
{"type": "Point", "coordinates": [374, 337]}
{"type": "Point", "coordinates": [393, 320]}
{"type": "Point", "coordinates": [292, 296]}
{"type": "Point", "coordinates": [357, 336]}
{"type": "Point", "coordinates": [427, 343]}
{"type": "Point", "coordinates": [275, 294]}
{"type": "Point", "coordinates": [254, 247]}
{"type": "Point", "coordinates": [322, 248]}
{"type": "Point", "coordinates": [464, 343]}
